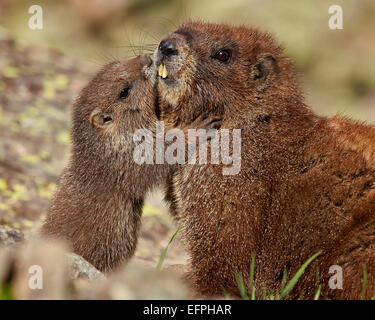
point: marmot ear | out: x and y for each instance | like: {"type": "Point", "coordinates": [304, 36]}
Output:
{"type": "Point", "coordinates": [263, 71]}
{"type": "Point", "coordinates": [101, 119]}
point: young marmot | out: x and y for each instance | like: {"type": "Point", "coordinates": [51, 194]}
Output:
{"type": "Point", "coordinates": [97, 207]}
{"type": "Point", "coordinates": [306, 184]}
{"type": "Point", "coordinates": [98, 204]}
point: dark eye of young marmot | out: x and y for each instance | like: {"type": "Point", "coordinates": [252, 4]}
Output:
{"type": "Point", "coordinates": [223, 55]}
{"type": "Point", "coordinates": [124, 92]}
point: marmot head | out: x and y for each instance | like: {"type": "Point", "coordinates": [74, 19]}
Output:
{"type": "Point", "coordinates": [115, 103]}
{"type": "Point", "coordinates": [216, 66]}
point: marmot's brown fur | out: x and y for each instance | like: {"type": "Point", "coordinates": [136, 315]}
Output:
{"type": "Point", "coordinates": [307, 183]}
{"type": "Point", "coordinates": [98, 204]}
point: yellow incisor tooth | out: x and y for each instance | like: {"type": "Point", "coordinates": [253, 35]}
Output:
{"type": "Point", "coordinates": [165, 73]}
{"type": "Point", "coordinates": [160, 70]}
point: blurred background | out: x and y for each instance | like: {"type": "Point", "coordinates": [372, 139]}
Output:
{"type": "Point", "coordinates": [42, 71]}
{"type": "Point", "coordinates": [337, 65]}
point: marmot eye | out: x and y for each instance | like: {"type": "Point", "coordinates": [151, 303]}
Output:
{"type": "Point", "coordinates": [223, 55]}
{"type": "Point", "coordinates": [124, 92]}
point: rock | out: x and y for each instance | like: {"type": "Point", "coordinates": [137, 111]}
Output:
{"type": "Point", "coordinates": [10, 236]}
{"type": "Point", "coordinates": [44, 269]}
{"type": "Point", "coordinates": [41, 271]}
{"type": "Point", "coordinates": [50, 258]}
{"type": "Point", "coordinates": [134, 281]}
{"type": "Point", "coordinates": [80, 268]}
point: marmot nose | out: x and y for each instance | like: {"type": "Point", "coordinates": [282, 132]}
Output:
{"type": "Point", "coordinates": [167, 48]}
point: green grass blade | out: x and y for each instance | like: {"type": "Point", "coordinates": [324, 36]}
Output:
{"type": "Point", "coordinates": [225, 293]}
{"type": "Point", "coordinates": [265, 293]}
{"type": "Point", "coordinates": [298, 274]}
{"type": "Point", "coordinates": [253, 294]}
{"type": "Point", "coordinates": [251, 280]}
{"type": "Point", "coordinates": [318, 287]}
{"type": "Point", "coordinates": [283, 281]}
{"type": "Point", "coordinates": [6, 292]}
{"type": "Point", "coordinates": [364, 287]}
{"type": "Point", "coordinates": [241, 286]}
{"type": "Point", "coordinates": [163, 255]}
{"type": "Point", "coordinates": [317, 278]}
{"type": "Point", "coordinates": [317, 293]}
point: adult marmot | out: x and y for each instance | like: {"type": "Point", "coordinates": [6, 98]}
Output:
{"type": "Point", "coordinates": [306, 182]}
